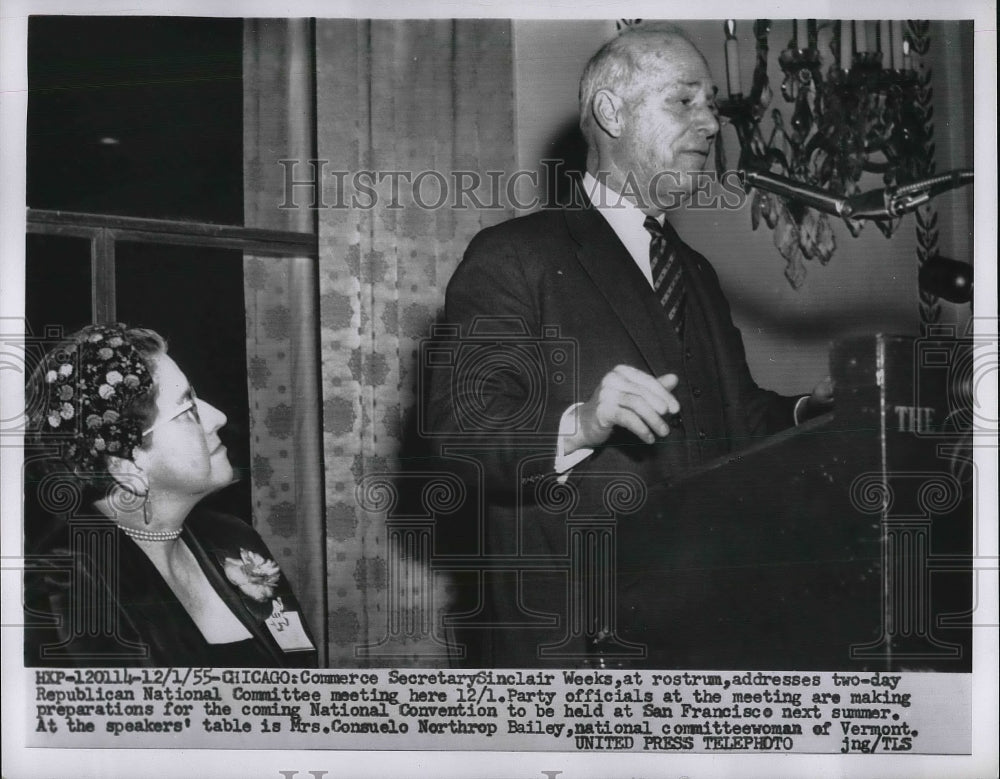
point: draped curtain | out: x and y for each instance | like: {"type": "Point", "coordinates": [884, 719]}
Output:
{"type": "Point", "coordinates": [280, 295]}
{"type": "Point", "coordinates": [405, 98]}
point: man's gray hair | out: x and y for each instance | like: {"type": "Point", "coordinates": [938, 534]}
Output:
{"type": "Point", "coordinates": [618, 65]}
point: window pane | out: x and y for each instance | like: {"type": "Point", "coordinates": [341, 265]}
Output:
{"type": "Point", "coordinates": [56, 283]}
{"type": "Point", "coordinates": [136, 116]}
{"type": "Point", "coordinates": [193, 297]}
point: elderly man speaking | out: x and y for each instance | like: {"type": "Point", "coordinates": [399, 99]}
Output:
{"type": "Point", "coordinates": [652, 378]}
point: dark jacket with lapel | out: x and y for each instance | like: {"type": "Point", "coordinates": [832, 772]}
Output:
{"type": "Point", "coordinates": [115, 584]}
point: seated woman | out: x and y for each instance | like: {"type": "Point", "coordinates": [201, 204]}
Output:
{"type": "Point", "coordinates": [134, 572]}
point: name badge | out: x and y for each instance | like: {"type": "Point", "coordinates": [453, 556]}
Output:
{"type": "Point", "coordinates": [286, 628]}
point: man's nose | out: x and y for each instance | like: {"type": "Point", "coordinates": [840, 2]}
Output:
{"type": "Point", "coordinates": [707, 121]}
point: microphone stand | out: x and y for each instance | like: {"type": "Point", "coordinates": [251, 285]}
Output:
{"type": "Point", "coordinates": [884, 203]}
{"type": "Point", "coordinates": [940, 276]}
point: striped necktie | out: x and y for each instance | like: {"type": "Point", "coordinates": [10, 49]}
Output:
{"type": "Point", "coordinates": [668, 276]}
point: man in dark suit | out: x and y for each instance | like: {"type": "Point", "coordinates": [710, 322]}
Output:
{"type": "Point", "coordinates": [639, 374]}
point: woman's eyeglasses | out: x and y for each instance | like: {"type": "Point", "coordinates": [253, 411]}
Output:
{"type": "Point", "coordinates": [191, 404]}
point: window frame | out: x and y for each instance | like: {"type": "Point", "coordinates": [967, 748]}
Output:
{"type": "Point", "coordinates": [105, 231]}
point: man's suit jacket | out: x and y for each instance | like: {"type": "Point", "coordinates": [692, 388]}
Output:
{"type": "Point", "coordinates": [567, 286]}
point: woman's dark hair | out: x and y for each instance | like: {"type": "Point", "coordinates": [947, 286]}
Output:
{"type": "Point", "coordinates": [89, 398]}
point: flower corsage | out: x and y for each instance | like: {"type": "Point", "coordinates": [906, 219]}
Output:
{"type": "Point", "coordinates": [255, 576]}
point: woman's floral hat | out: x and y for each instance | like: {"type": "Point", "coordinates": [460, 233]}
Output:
{"type": "Point", "coordinates": [88, 388]}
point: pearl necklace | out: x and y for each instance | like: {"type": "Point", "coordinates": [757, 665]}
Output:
{"type": "Point", "coordinates": [150, 535]}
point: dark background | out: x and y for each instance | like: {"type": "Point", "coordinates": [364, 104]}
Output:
{"type": "Point", "coordinates": [143, 117]}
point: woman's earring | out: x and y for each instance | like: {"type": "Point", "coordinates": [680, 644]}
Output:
{"type": "Point", "coordinates": [145, 502]}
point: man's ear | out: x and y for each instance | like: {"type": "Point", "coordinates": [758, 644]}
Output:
{"type": "Point", "coordinates": [607, 110]}
{"type": "Point", "coordinates": [128, 475]}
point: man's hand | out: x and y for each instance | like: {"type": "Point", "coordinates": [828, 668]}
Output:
{"type": "Point", "coordinates": [819, 402]}
{"type": "Point", "coordinates": [628, 398]}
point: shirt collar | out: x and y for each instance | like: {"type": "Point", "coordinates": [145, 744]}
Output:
{"type": "Point", "coordinates": [625, 219]}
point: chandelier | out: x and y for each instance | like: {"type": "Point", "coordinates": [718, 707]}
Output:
{"type": "Point", "coordinates": [857, 106]}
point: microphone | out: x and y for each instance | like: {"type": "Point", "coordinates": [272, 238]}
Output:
{"type": "Point", "coordinates": [786, 187]}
